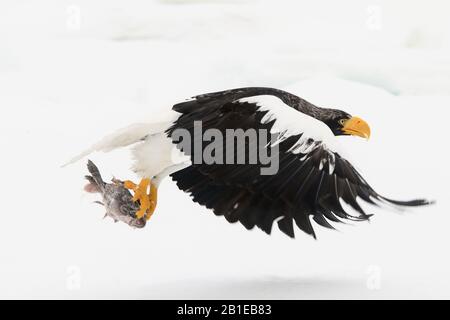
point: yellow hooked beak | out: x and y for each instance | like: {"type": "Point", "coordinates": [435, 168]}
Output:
{"type": "Point", "coordinates": [356, 127]}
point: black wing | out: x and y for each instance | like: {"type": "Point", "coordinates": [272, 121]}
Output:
{"type": "Point", "coordinates": [307, 184]}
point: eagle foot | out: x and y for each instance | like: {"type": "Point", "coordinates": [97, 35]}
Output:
{"type": "Point", "coordinates": [146, 198]}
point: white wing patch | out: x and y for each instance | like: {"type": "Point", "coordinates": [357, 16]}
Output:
{"type": "Point", "coordinates": [289, 122]}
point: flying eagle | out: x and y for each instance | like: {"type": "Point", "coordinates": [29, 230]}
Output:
{"type": "Point", "coordinates": [313, 179]}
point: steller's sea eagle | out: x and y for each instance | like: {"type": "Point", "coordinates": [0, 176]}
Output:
{"type": "Point", "coordinates": [313, 179]}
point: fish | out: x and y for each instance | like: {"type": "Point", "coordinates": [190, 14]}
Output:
{"type": "Point", "coordinates": [117, 200]}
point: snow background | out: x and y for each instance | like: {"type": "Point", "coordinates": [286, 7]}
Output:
{"type": "Point", "coordinates": [72, 71]}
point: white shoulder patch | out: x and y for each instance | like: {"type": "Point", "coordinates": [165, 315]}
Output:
{"type": "Point", "coordinates": [289, 122]}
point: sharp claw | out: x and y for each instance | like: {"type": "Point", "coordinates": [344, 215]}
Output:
{"type": "Point", "coordinates": [117, 181]}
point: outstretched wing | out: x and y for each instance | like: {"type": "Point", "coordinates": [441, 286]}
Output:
{"type": "Point", "coordinates": [312, 180]}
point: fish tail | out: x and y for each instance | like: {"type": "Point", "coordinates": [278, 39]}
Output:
{"type": "Point", "coordinates": [96, 177]}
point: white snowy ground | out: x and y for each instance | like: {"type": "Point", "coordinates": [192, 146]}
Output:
{"type": "Point", "coordinates": [65, 82]}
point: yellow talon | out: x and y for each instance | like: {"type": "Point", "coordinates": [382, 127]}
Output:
{"type": "Point", "coordinates": [129, 185]}
{"type": "Point", "coordinates": [147, 200]}
{"type": "Point", "coordinates": [153, 198]}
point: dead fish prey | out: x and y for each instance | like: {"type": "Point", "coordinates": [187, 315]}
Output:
{"type": "Point", "coordinates": [117, 200]}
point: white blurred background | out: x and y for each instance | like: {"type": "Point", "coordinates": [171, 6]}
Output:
{"type": "Point", "coordinates": [72, 71]}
